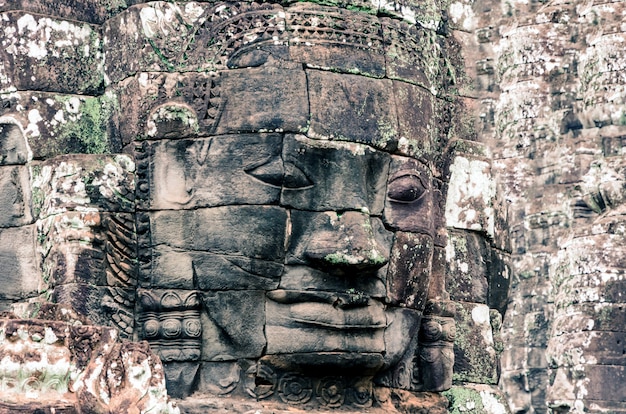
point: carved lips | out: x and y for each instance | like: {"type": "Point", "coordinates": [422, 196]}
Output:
{"type": "Point", "coordinates": [329, 310]}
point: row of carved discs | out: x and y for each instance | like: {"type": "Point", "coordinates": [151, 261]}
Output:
{"type": "Point", "coordinates": [172, 325]}
{"type": "Point", "coordinates": [293, 388]}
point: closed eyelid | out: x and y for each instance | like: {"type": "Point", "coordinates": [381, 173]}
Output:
{"type": "Point", "coordinates": [295, 178]}
{"type": "Point", "coordinates": [278, 174]}
{"type": "Point", "coordinates": [270, 172]}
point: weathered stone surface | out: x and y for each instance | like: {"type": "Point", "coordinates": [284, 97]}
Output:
{"type": "Point", "coordinates": [54, 123]}
{"type": "Point", "coordinates": [264, 99]}
{"type": "Point", "coordinates": [50, 54]}
{"type": "Point", "coordinates": [87, 182]}
{"type": "Point", "coordinates": [402, 59]}
{"type": "Point", "coordinates": [342, 245]}
{"type": "Point", "coordinates": [222, 378]}
{"type": "Point", "coordinates": [181, 378]}
{"type": "Point", "coordinates": [13, 150]}
{"type": "Point", "coordinates": [470, 255]}
{"type": "Point", "coordinates": [102, 304]}
{"type": "Point", "coordinates": [225, 170]}
{"type": "Point", "coordinates": [132, 39]}
{"type": "Point", "coordinates": [436, 347]}
{"type": "Point", "coordinates": [476, 356]}
{"type": "Point", "coordinates": [299, 168]}
{"type": "Point", "coordinates": [336, 39]}
{"type": "Point", "coordinates": [15, 196]}
{"type": "Point", "coordinates": [470, 195]}
{"type": "Point", "coordinates": [175, 269]}
{"type": "Point", "coordinates": [412, 252]}
{"type": "Point", "coordinates": [417, 121]}
{"type": "Point", "coordinates": [233, 325]}
{"type": "Point", "coordinates": [476, 398]}
{"type": "Point", "coordinates": [386, 402]}
{"type": "Point", "coordinates": [96, 248]}
{"type": "Point", "coordinates": [20, 264]}
{"type": "Point", "coordinates": [54, 366]}
{"type": "Point", "coordinates": [400, 349]}
{"type": "Point", "coordinates": [90, 11]}
{"type": "Point", "coordinates": [249, 231]}
{"type": "Point", "coordinates": [310, 183]}
{"type": "Point", "coordinates": [353, 108]}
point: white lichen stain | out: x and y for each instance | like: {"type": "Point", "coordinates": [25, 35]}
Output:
{"type": "Point", "coordinates": [463, 13]}
{"type": "Point", "coordinates": [470, 196]}
{"type": "Point", "coordinates": [35, 37]}
{"type": "Point", "coordinates": [480, 316]}
{"type": "Point", "coordinates": [49, 336]}
{"type": "Point", "coordinates": [34, 117]}
{"type": "Point", "coordinates": [161, 20]}
{"type": "Point", "coordinates": [193, 11]}
{"type": "Point", "coordinates": [72, 105]}
{"type": "Point", "coordinates": [491, 404]}
{"type": "Point", "coordinates": [407, 13]}
{"type": "Point", "coordinates": [143, 80]}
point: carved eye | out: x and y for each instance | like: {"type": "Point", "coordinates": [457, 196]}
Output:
{"type": "Point", "coordinates": [406, 189]}
{"type": "Point", "coordinates": [273, 173]}
{"type": "Point", "coordinates": [295, 178]}
{"type": "Point", "coordinates": [270, 173]}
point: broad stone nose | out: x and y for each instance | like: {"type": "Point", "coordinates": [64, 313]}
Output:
{"type": "Point", "coordinates": [350, 243]}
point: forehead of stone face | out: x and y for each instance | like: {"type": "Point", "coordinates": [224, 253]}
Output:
{"type": "Point", "coordinates": [323, 175]}
{"type": "Point", "coordinates": [353, 108]}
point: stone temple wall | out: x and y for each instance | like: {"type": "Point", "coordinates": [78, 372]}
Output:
{"type": "Point", "coordinates": [550, 86]}
{"type": "Point", "coordinates": [532, 177]}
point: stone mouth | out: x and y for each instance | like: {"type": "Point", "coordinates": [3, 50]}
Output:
{"type": "Point", "coordinates": [330, 310]}
{"type": "Point", "coordinates": [342, 300]}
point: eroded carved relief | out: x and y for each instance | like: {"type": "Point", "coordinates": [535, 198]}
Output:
{"type": "Point", "coordinates": [436, 354]}
{"type": "Point", "coordinates": [284, 229]}
{"type": "Point", "coordinates": [170, 322]}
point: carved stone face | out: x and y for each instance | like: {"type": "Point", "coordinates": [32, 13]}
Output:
{"type": "Point", "coordinates": [288, 199]}
{"type": "Point", "coordinates": [312, 229]}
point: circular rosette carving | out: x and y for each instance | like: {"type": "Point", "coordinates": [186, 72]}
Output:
{"type": "Point", "coordinates": [295, 389]}
{"type": "Point", "coordinates": [151, 328]}
{"type": "Point", "coordinates": [331, 392]}
{"type": "Point", "coordinates": [192, 328]}
{"type": "Point", "coordinates": [361, 394]}
{"type": "Point", "coordinates": [260, 383]}
{"type": "Point", "coordinates": [171, 328]}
